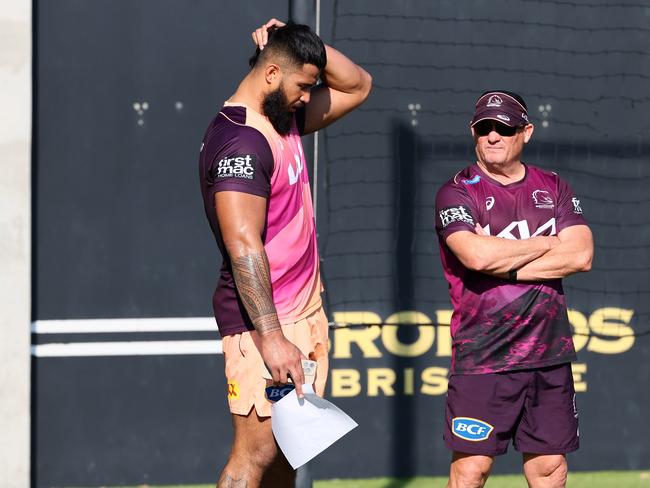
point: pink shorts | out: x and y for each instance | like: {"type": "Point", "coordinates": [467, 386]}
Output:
{"type": "Point", "coordinates": [244, 365]}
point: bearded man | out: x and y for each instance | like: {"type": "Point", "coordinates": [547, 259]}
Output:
{"type": "Point", "coordinates": [258, 202]}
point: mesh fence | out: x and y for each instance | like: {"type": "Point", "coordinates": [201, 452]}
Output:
{"type": "Point", "coordinates": [583, 69]}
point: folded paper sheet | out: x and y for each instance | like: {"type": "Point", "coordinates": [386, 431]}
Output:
{"type": "Point", "coordinates": [305, 428]}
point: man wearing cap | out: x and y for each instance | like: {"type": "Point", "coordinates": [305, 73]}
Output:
{"type": "Point", "coordinates": [509, 232]}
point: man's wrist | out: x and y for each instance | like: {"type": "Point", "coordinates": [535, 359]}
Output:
{"type": "Point", "coordinates": [512, 275]}
{"type": "Point", "coordinates": [267, 325]}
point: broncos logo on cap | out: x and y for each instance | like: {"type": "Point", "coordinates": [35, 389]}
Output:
{"type": "Point", "coordinates": [494, 101]}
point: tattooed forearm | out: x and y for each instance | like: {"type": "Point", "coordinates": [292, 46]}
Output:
{"type": "Point", "coordinates": [253, 281]}
{"type": "Point", "coordinates": [228, 482]}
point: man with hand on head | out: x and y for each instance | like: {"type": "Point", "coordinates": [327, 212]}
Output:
{"type": "Point", "coordinates": [257, 199]}
{"type": "Point", "coordinates": [509, 232]}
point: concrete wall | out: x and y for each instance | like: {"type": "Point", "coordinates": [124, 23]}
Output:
{"type": "Point", "coordinates": [15, 239]}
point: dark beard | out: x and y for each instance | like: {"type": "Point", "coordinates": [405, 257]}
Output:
{"type": "Point", "coordinates": [275, 107]}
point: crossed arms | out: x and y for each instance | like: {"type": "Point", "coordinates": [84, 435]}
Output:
{"type": "Point", "coordinates": [536, 259]}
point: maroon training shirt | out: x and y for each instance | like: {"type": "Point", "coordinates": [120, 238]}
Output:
{"type": "Point", "coordinates": [498, 325]}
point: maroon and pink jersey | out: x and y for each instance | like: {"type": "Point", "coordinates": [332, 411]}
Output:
{"type": "Point", "coordinates": [242, 152]}
{"type": "Point", "coordinates": [498, 325]}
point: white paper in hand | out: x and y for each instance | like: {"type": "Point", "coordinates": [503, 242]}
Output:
{"type": "Point", "coordinates": [305, 428]}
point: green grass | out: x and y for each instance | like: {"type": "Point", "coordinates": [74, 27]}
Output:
{"type": "Point", "coordinates": [594, 479]}
{"type": "Point", "coordinates": [603, 479]}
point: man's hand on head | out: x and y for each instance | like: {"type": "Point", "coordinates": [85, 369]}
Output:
{"type": "Point", "coordinates": [261, 34]}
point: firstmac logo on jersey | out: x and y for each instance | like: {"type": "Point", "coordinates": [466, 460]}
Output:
{"type": "Point", "coordinates": [238, 166]}
{"type": "Point", "coordinates": [455, 214]}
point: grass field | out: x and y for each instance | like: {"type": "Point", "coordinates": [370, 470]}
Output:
{"type": "Point", "coordinates": [596, 479]}
{"type": "Point", "coordinates": [604, 479]}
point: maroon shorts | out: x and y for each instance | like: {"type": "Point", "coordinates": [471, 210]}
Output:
{"type": "Point", "coordinates": [535, 408]}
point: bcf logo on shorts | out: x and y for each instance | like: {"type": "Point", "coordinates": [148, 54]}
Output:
{"type": "Point", "coordinates": [277, 392]}
{"type": "Point", "coordinates": [471, 429]}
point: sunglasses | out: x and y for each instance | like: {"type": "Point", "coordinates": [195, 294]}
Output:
{"type": "Point", "coordinates": [484, 127]}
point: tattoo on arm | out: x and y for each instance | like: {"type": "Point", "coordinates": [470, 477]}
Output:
{"type": "Point", "coordinates": [253, 280]}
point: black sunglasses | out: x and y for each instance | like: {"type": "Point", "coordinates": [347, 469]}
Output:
{"type": "Point", "coordinates": [484, 127]}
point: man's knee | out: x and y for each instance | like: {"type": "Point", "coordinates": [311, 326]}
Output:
{"type": "Point", "coordinates": [559, 476]}
{"type": "Point", "coordinates": [248, 464]}
{"type": "Point", "coordinates": [254, 448]}
{"type": "Point", "coordinates": [469, 471]}
{"type": "Point", "coordinates": [546, 471]}
{"type": "Point", "coordinates": [470, 476]}
{"type": "Point", "coordinates": [553, 476]}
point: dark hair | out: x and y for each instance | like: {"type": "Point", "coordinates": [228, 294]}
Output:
{"type": "Point", "coordinates": [512, 94]}
{"type": "Point", "coordinates": [296, 42]}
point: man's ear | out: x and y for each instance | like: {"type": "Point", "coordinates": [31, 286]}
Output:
{"type": "Point", "coordinates": [528, 132]}
{"type": "Point", "coordinates": [272, 74]}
